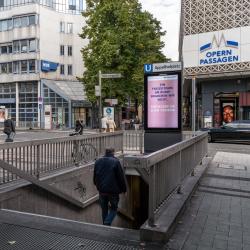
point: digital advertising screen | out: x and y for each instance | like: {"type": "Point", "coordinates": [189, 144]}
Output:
{"type": "Point", "coordinates": [163, 100]}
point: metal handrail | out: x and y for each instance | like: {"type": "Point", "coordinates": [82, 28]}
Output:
{"type": "Point", "coordinates": [164, 170]}
{"type": "Point", "coordinates": [41, 156]}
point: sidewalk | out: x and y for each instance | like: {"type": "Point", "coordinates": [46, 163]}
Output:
{"type": "Point", "coordinates": [218, 216]}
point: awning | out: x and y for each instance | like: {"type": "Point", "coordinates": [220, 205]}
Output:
{"type": "Point", "coordinates": [70, 90]}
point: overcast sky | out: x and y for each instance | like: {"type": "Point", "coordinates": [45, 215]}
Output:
{"type": "Point", "coordinates": [168, 12]}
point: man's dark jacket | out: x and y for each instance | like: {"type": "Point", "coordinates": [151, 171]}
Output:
{"type": "Point", "coordinates": [109, 177]}
{"type": "Point", "coordinates": [9, 126]}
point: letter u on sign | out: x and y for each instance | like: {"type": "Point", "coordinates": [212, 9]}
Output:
{"type": "Point", "coordinates": [148, 68]}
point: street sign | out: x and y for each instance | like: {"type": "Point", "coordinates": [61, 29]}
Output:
{"type": "Point", "coordinates": [112, 101]}
{"type": "Point", "coordinates": [162, 67]}
{"type": "Point", "coordinates": [116, 75]}
{"type": "Point", "coordinates": [97, 90]}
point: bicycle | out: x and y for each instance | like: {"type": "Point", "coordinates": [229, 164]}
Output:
{"type": "Point", "coordinates": [83, 152]}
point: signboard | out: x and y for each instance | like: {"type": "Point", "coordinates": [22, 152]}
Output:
{"type": "Point", "coordinates": [162, 67]}
{"type": "Point", "coordinates": [162, 110]}
{"type": "Point", "coordinates": [108, 76]}
{"type": "Point", "coordinates": [48, 66]}
{"type": "Point", "coordinates": [219, 51]}
{"type": "Point", "coordinates": [97, 90]}
{"type": "Point", "coordinates": [47, 117]}
{"type": "Point", "coordinates": [112, 101]}
{"type": "Point", "coordinates": [215, 48]}
{"type": "Point", "coordinates": [109, 112]}
{"type": "Point", "coordinates": [3, 113]}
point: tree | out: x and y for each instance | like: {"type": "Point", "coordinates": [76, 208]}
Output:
{"type": "Point", "coordinates": [121, 38]}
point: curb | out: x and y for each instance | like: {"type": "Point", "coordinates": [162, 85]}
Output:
{"type": "Point", "coordinates": [173, 208]}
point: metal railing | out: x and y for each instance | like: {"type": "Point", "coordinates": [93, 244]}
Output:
{"type": "Point", "coordinates": [41, 156]}
{"type": "Point", "coordinates": [165, 169]}
{"type": "Point", "coordinates": [133, 141]}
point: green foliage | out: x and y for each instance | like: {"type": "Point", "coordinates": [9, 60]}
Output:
{"type": "Point", "coordinates": [121, 38]}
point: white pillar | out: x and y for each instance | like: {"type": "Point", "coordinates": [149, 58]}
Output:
{"type": "Point", "coordinates": [17, 105]}
{"type": "Point", "coordinates": [39, 110]}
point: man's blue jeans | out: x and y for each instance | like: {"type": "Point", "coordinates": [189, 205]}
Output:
{"type": "Point", "coordinates": [109, 205]}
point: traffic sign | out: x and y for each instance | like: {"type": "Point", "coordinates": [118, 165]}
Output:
{"type": "Point", "coordinates": [116, 75]}
{"type": "Point", "coordinates": [97, 90]}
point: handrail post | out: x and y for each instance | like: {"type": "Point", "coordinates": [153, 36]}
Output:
{"type": "Point", "coordinates": [151, 205]}
{"type": "Point", "coordinates": [38, 162]}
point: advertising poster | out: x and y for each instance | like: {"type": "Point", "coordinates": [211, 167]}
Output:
{"type": "Point", "coordinates": [228, 112]}
{"type": "Point", "coordinates": [109, 112]}
{"type": "Point", "coordinates": [163, 101]}
{"type": "Point", "coordinates": [3, 113]}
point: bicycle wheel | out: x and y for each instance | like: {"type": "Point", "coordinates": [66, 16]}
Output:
{"type": "Point", "coordinates": [88, 153]}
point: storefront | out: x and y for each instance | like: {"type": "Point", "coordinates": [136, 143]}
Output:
{"type": "Point", "coordinates": [216, 56]}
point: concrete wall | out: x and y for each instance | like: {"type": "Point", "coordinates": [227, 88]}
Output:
{"type": "Point", "coordinates": [30, 198]}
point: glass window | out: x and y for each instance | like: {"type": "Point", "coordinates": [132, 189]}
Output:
{"type": "Point", "coordinates": [32, 20]}
{"type": "Point", "coordinates": [24, 21]}
{"type": "Point", "coordinates": [10, 67]}
{"type": "Point", "coordinates": [32, 45]}
{"type": "Point", "coordinates": [4, 49]}
{"type": "Point", "coordinates": [62, 69]}
{"type": "Point", "coordinates": [24, 46]}
{"type": "Point", "coordinates": [17, 22]}
{"type": "Point", "coordinates": [62, 27]}
{"type": "Point", "coordinates": [69, 69]}
{"type": "Point", "coordinates": [16, 46]}
{"type": "Point", "coordinates": [70, 28]}
{"type": "Point", "coordinates": [16, 67]}
{"type": "Point", "coordinates": [32, 66]}
{"type": "Point", "coordinates": [4, 68]}
{"type": "Point", "coordinates": [10, 24]}
{"type": "Point", "coordinates": [24, 67]}
{"type": "Point", "coordinates": [61, 50]}
{"type": "Point", "coordinates": [69, 50]}
{"type": "Point", "coordinates": [10, 49]}
{"type": "Point", "coordinates": [4, 25]}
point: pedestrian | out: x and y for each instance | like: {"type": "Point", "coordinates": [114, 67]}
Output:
{"type": "Point", "coordinates": [104, 121]}
{"type": "Point", "coordinates": [110, 181]}
{"type": "Point", "coordinates": [137, 123]}
{"type": "Point", "coordinates": [79, 127]}
{"type": "Point", "coordinates": [111, 125]}
{"type": "Point", "coordinates": [9, 129]}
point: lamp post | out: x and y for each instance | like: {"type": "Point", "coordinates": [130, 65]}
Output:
{"type": "Point", "coordinates": [193, 104]}
{"type": "Point", "coordinates": [104, 76]}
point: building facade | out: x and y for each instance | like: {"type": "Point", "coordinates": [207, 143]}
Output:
{"type": "Point", "coordinates": [216, 54]}
{"type": "Point", "coordinates": [40, 59]}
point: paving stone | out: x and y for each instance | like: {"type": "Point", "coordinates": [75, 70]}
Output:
{"type": "Point", "coordinates": [220, 244]}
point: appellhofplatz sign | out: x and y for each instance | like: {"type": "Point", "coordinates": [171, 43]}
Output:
{"type": "Point", "coordinates": [219, 51]}
{"type": "Point", "coordinates": [162, 67]}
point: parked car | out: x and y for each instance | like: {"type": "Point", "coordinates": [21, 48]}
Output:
{"type": "Point", "coordinates": [236, 131]}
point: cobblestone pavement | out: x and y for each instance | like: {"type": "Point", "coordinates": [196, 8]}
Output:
{"type": "Point", "coordinates": [218, 216]}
